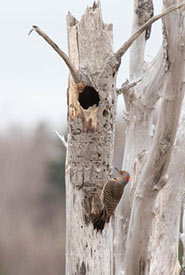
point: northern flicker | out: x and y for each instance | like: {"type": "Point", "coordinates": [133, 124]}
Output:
{"type": "Point", "coordinates": [111, 195]}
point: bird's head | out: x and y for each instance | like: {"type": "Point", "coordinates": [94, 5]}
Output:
{"type": "Point", "coordinates": [124, 176]}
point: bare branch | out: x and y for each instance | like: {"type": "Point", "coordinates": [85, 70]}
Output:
{"type": "Point", "coordinates": [127, 85]}
{"type": "Point", "coordinates": [130, 41]}
{"type": "Point", "coordinates": [62, 138]}
{"type": "Point", "coordinates": [75, 73]}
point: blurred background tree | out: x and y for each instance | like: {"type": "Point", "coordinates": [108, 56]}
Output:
{"type": "Point", "coordinates": [32, 212]}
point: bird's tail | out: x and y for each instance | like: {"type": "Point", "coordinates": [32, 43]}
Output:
{"type": "Point", "coordinates": [100, 220]}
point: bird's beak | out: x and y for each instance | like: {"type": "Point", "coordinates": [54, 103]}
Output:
{"type": "Point", "coordinates": [117, 169]}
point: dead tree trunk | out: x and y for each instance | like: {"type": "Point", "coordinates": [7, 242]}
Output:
{"type": "Point", "coordinates": [91, 119]}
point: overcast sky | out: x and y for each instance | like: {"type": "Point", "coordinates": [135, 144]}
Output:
{"type": "Point", "coordinates": [33, 78]}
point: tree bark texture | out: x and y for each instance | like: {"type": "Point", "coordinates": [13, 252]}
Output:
{"type": "Point", "coordinates": [91, 124]}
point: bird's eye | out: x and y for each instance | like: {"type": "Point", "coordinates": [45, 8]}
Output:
{"type": "Point", "coordinates": [128, 178]}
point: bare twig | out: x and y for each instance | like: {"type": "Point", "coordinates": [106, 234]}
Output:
{"type": "Point", "coordinates": [74, 72]}
{"type": "Point", "coordinates": [62, 138]}
{"type": "Point", "coordinates": [127, 85]}
{"type": "Point", "coordinates": [130, 41]}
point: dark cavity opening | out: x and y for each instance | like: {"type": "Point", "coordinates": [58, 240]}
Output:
{"type": "Point", "coordinates": [88, 97]}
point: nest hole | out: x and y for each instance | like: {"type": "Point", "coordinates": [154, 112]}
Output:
{"type": "Point", "coordinates": [88, 97]}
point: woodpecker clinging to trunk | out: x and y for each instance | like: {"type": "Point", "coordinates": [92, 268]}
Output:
{"type": "Point", "coordinates": [111, 195]}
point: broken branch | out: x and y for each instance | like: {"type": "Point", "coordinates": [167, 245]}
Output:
{"type": "Point", "coordinates": [75, 73]}
{"type": "Point", "coordinates": [130, 41]}
{"type": "Point", "coordinates": [62, 138]}
{"type": "Point", "coordinates": [127, 85]}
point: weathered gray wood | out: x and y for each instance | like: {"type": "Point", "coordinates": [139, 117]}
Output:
{"type": "Point", "coordinates": [151, 179]}
{"type": "Point", "coordinates": [90, 144]}
{"type": "Point", "coordinates": [140, 104]}
{"type": "Point", "coordinates": [94, 125]}
{"type": "Point", "coordinates": [90, 138]}
{"type": "Point", "coordinates": [165, 230]}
